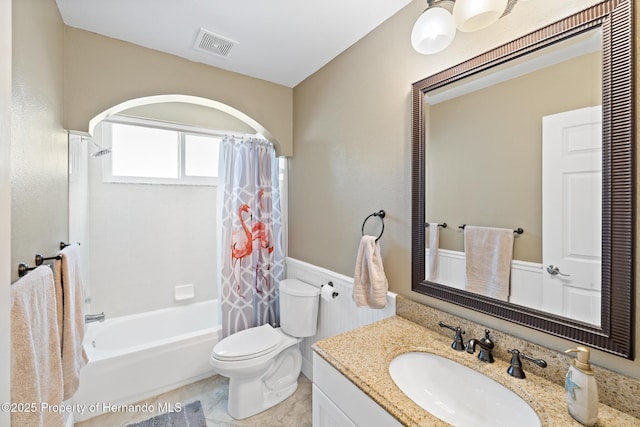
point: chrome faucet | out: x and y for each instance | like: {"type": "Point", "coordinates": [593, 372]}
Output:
{"type": "Point", "coordinates": [515, 368]}
{"type": "Point", "coordinates": [486, 347]}
{"type": "Point", "coordinates": [90, 318]}
{"type": "Point", "coordinates": [458, 343]}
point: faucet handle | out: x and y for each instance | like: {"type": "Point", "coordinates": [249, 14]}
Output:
{"type": "Point", "coordinates": [540, 362]}
{"type": "Point", "coordinates": [486, 340]}
{"type": "Point", "coordinates": [486, 347]}
{"type": "Point", "coordinates": [515, 368]}
{"type": "Point", "coordinates": [458, 342]}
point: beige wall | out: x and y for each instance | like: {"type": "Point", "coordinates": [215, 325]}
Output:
{"type": "Point", "coordinates": [352, 151]}
{"type": "Point", "coordinates": [33, 149]}
{"type": "Point", "coordinates": [484, 154]}
{"type": "Point", "coordinates": [38, 139]}
{"type": "Point", "coordinates": [5, 203]}
{"type": "Point", "coordinates": [102, 72]}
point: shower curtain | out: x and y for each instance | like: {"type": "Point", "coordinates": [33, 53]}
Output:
{"type": "Point", "coordinates": [250, 246]}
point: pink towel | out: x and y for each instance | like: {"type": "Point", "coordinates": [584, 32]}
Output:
{"type": "Point", "coordinates": [370, 283]}
{"type": "Point", "coordinates": [67, 277]}
{"type": "Point", "coordinates": [36, 368]}
{"type": "Point", "coordinates": [488, 253]}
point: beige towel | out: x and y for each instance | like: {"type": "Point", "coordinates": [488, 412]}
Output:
{"type": "Point", "coordinates": [370, 283]}
{"type": "Point", "coordinates": [488, 253]}
{"type": "Point", "coordinates": [36, 368]}
{"type": "Point", "coordinates": [67, 277]}
{"type": "Point", "coordinates": [434, 244]}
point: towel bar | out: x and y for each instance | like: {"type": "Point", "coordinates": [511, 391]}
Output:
{"type": "Point", "coordinates": [443, 225]}
{"type": "Point", "coordinates": [40, 259]}
{"type": "Point", "coordinates": [23, 269]}
{"type": "Point", "coordinates": [518, 230]}
{"type": "Point", "coordinates": [64, 245]}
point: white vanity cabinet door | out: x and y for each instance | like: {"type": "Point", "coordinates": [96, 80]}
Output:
{"type": "Point", "coordinates": [326, 413]}
{"type": "Point", "coordinates": [338, 402]}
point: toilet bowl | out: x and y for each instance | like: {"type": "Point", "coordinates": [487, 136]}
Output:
{"type": "Point", "coordinates": [263, 363]}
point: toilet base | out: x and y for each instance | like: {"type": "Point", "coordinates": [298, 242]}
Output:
{"type": "Point", "coordinates": [249, 396]}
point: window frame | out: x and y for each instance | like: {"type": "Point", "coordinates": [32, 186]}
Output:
{"type": "Point", "coordinates": [182, 130]}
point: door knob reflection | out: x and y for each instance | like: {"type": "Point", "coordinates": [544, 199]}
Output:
{"type": "Point", "coordinates": [555, 271]}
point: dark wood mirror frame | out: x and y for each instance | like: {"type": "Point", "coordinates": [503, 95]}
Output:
{"type": "Point", "coordinates": [615, 335]}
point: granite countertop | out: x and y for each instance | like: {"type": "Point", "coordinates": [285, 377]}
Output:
{"type": "Point", "coordinates": [363, 356]}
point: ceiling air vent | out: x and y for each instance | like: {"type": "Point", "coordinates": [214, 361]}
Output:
{"type": "Point", "coordinates": [209, 42]}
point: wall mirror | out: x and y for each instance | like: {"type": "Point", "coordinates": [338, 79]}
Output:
{"type": "Point", "coordinates": [486, 138]}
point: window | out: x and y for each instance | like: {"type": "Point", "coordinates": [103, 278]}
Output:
{"type": "Point", "coordinates": [149, 152]}
{"type": "Point", "coordinates": [201, 156]}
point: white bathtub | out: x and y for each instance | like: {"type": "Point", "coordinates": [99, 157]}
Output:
{"type": "Point", "coordinates": [138, 356]}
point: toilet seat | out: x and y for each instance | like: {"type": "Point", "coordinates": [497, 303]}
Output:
{"type": "Point", "coordinates": [248, 344]}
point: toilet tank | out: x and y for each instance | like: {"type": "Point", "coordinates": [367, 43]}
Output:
{"type": "Point", "coordinates": [298, 308]}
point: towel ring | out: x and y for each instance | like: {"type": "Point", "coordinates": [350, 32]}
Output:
{"type": "Point", "coordinates": [380, 214]}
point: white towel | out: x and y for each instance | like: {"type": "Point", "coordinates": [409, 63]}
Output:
{"type": "Point", "coordinates": [370, 284]}
{"type": "Point", "coordinates": [67, 277]}
{"type": "Point", "coordinates": [434, 244]}
{"type": "Point", "coordinates": [36, 368]}
{"type": "Point", "coordinates": [488, 253]}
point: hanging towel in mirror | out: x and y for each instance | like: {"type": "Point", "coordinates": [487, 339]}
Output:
{"type": "Point", "coordinates": [488, 254]}
{"type": "Point", "coordinates": [434, 244]}
{"type": "Point", "coordinates": [370, 284]}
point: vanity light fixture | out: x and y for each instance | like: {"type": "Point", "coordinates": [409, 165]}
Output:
{"type": "Point", "coordinates": [436, 27]}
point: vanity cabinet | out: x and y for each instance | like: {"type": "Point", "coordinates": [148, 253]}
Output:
{"type": "Point", "coordinates": [337, 402]}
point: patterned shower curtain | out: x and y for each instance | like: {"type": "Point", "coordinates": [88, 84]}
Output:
{"type": "Point", "coordinates": [250, 242]}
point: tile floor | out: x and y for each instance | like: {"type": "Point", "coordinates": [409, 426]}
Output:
{"type": "Point", "coordinates": [213, 394]}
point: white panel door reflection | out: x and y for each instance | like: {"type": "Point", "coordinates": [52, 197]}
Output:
{"type": "Point", "coordinates": [572, 214]}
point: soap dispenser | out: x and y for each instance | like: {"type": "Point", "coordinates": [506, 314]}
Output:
{"type": "Point", "coordinates": [581, 388]}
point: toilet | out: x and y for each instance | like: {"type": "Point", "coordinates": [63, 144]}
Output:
{"type": "Point", "coordinates": [263, 363]}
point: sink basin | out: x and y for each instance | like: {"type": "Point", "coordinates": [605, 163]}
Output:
{"type": "Point", "coordinates": [457, 394]}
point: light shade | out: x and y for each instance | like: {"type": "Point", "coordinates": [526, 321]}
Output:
{"type": "Point", "coordinates": [474, 15]}
{"type": "Point", "coordinates": [433, 31]}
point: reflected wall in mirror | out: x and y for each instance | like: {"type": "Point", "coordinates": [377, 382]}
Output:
{"type": "Point", "coordinates": [492, 138]}
{"type": "Point", "coordinates": [520, 146]}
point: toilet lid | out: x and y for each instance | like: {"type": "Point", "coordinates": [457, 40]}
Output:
{"type": "Point", "coordinates": [247, 344]}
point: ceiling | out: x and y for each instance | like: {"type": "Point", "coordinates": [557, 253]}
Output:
{"type": "Point", "coordinates": [281, 41]}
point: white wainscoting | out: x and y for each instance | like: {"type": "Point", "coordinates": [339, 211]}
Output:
{"type": "Point", "coordinates": [340, 314]}
{"type": "Point", "coordinates": [526, 277]}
